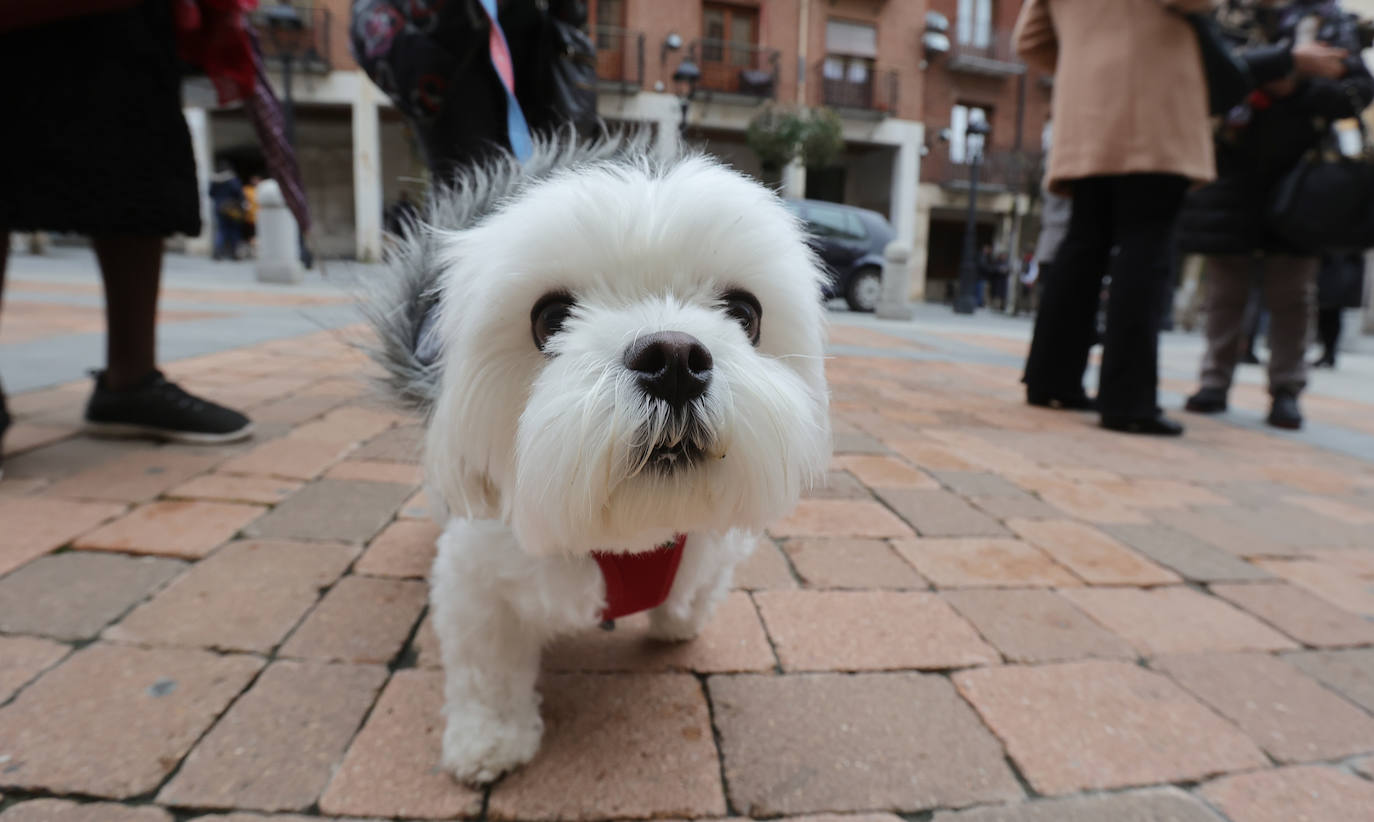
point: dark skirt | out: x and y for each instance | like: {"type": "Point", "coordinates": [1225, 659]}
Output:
{"type": "Point", "coordinates": [95, 141]}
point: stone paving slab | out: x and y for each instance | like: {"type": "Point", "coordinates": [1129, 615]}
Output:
{"type": "Point", "coordinates": [342, 510]}
{"type": "Point", "coordinates": [608, 732]}
{"type": "Point", "coordinates": [23, 658]}
{"type": "Point", "coordinates": [1036, 626]}
{"type": "Point", "coordinates": [992, 613]}
{"type": "Point", "coordinates": [1098, 725]}
{"type": "Point", "coordinates": [60, 733]}
{"type": "Point", "coordinates": [391, 768]}
{"type": "Point", "coordinates": [276, 747]}
{"type": "Point", "coordinates": [1349, 673]}
{"type": "Point", "coordinates": [246, 597]}
{"type": "Point", "coordinates": [1155, 805]}
{"type": "Point", "coordinates": [1302, 615]}
{"type": "Point", "coordinates": [869, 630]}
{"type": "Point", "coordinates": [1176, 620]}
{"type": "Point", "coordinates": [64, 810]}
{"type": "Point", "coordinates": [1289, 794]}
{"type": "Point", "coordinates": [74, 595]}
{"type": "Point", "coordinates": [1290, 716]}
{"type": "Point", "coordinates": [826, 742]}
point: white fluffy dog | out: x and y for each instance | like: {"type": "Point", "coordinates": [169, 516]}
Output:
{"type": "Point", "coordinates": [616, 353]}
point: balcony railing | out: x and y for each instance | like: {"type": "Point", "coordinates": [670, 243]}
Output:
{"type": "Point", "coordinates": [996, 57]}
{"type": "Point", "coordinates": [999, 170]}
{"type": "Point", "coordinates": [872, 90]}
{"type": "Point", "coordinates": [308, 47]}
{"type": "Point", "coordinates": [737, 68]}
{"type": "Point", "coordinates": [619, 57]}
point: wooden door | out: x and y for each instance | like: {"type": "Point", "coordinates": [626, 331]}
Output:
{"type": "Point", "coordinates": [730, 36]}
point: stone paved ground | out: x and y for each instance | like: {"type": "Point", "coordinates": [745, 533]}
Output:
{"type": "Point", "coordinates": [991, 614]}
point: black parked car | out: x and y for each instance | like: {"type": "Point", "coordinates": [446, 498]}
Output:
{"type": "Point", "coordinates": [851, 241]}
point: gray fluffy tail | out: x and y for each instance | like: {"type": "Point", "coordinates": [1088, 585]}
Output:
{"type": "Point", "coordinates": [400, 305]}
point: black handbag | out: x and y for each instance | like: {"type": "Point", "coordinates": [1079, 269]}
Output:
{"type": "Point", "coordinates": [1228, 78]}
{"type": "Point", "coordinates": [1326, 202]}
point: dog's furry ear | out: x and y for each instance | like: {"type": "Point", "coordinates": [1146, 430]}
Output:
{"type": "Point", "coordinates": [465, 489]}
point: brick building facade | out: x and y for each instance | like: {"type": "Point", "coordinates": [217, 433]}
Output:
{"type": "Point", "coordinates": [868, 60]}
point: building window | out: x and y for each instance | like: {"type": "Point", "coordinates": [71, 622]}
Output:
{"type": "Point", "coordinates": [729, 45]}
{"type": "Point", "coordinates": [851, 51]}
{"type": "Point", "coordinates": [607, 21]}
{"type": "Point", "coordinates": [960, 142]}
{"type": "Point", "coordinates": [731, 33]}
{"type": "Point", "coordinates": [974, 25]}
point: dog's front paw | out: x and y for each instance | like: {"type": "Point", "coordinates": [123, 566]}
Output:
{"type": "Point", "coordinates": [480, 745]}
{"type": "Point", "coordinates": [666, 626]}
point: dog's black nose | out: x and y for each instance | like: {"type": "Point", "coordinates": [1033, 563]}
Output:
{"type": "Point", "coordinates": [673, 366]}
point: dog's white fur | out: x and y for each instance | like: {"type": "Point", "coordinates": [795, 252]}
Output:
{"type": "Point", "coordinates": [540, 456]}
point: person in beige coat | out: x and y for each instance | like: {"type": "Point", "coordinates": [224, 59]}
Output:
{"type": "Point", "coordinates": [1132, 132]}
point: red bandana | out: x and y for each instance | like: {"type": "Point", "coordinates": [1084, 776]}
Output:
{"type": "Point", "coordinates": [638, 582]}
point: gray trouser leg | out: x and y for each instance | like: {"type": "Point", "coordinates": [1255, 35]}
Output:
{"type": "Point", "coordinates": [1228, 281]}
{"type": "Point", "coordinates": [1288, 294]}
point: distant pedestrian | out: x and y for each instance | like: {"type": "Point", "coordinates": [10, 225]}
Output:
{"type": "Point", "coordinates": [1131, 133]}
{"type": "Point", "coordinates": [250, 211]}
{"type": "Point", "coordinates": [226, 197]}
{"type": "Point", "coordinates": [1340, 285]}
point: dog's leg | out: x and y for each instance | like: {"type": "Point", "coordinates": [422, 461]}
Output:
{"type": "Point", "coordinates": [703, 580]}
{"type": "Point", "coordinates": [491, 662]}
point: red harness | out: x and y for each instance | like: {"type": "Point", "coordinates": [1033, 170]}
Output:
{"type": "Point", "coordinates": [638, 582]}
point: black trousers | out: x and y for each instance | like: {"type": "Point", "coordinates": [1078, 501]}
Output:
{"type": "Point", "coordinates": [1329, 331]}
{"type": "Point", "coordinates": [1135, 214]}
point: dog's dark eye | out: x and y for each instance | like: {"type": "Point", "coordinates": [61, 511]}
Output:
{"type": "Point", "coordinates": [548, 315]}
{"type": "Point", "coordinates": [745, 309]}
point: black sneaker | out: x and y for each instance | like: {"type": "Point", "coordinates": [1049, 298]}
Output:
{"type": "Point", "coordinates": [1285, 413]}
{"type": "Point", "coordinates": [1207, 401]}
{"type": "Point", "coordinates": [162, 410]}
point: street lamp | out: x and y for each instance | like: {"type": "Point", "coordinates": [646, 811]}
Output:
{"type": "Point", "coordinates": [286, 30]}
{"type": "Point", "coordinates": [966, 300]}
{"type": "Point", "coordinates": [685, 79]}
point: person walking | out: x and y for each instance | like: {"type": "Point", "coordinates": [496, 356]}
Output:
{"type": "Point", "coordinates": [1340, 285]}
{"type": "Point", "coordinates": [1304, 85]}
{"type": "Point", "coordinates": [1131, 133]}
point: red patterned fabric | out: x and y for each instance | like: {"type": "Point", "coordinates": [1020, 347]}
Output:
{"type": "Point", "coordinates": [214, 36]}
{"type": "Point", "coordinates": [638, 582]}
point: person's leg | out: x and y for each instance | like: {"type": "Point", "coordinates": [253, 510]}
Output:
{"type": "Point", "coordinates": [1066, 313]}
{"type": "Point", "coordinates": [1228, 295]}
{"type": "Point", "coordinates": [1144, 211]}
{"type": "Point", "coordinates": [1289, 293]}
{"type": "Point", "coordinates": [131, 396]}
{"type": "Point", "coordinates": [1252, 322]}
{"type": "Point", "coordinates": [132, 270]}
{"type": "Point", "coordinates": [1329, 333]}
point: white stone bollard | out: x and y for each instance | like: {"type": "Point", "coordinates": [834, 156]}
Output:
{"type": "Point", "coordinates": [893, 304]}
{"type": "Point", "coordinates": [279, 253]}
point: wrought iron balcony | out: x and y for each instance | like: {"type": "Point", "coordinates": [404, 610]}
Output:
{"type": "Point", "coordinates": [847, 84]}
{"type": "Point", "coordinates": [997, 57]}
{"type": "Point", "coordinates": [737, 68]}
{"type": "Point", "coordinates": [306, 45]}
{"type": "Point", "coordinates": [999, 170]}
{"type": "Point", "coordinates": [619, 57]}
